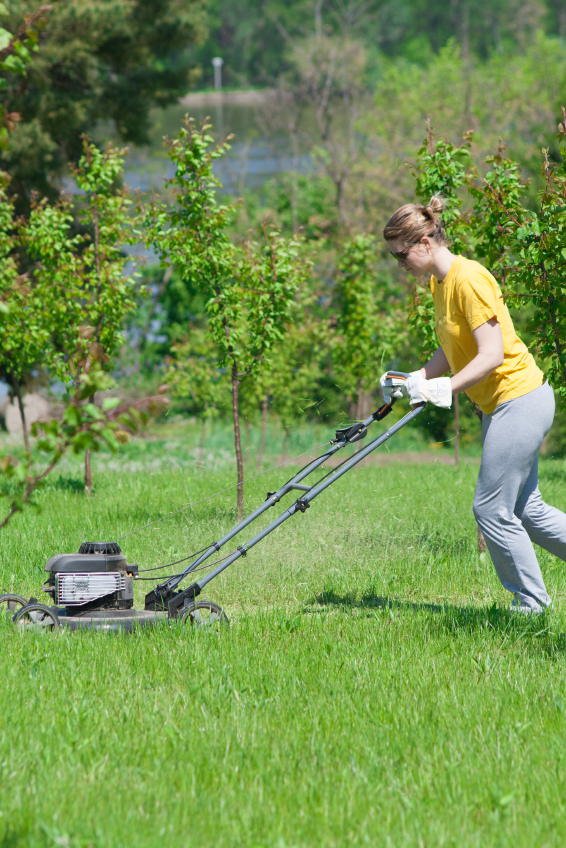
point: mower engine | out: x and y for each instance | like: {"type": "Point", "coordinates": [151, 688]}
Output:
{"type": "Point", "coordinates": [98, 577]}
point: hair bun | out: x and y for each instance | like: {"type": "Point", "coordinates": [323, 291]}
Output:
{"type": "Point", "coordinates": [436, 204]}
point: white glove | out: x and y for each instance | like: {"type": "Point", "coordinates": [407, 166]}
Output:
{"type": "Point", "coordinates": [438, 391]}
{"type": "Point", "coordinates": [391, 383]}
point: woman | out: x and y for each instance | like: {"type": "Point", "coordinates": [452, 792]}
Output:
{"type": "Point", "coordinates": [488, 361]}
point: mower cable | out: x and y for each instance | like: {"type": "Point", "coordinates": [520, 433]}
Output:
{"type": "Point", "coordinates": [221, 492]}
{"type": "Point", "coordinates": [332, 471]}
{"type": "Point", "coordinates": [170, 576]}
{"type": "Point", "coordinates": [209, 564]}
{"type": "Point", "coordinates": [169, 564]}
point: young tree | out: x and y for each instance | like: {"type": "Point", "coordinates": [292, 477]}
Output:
{"type": "Point", "coordinates": [106, 291]}
{"type": "Point", "coordinates": [250, 290]}
{"type": "Point", "coordinates": [368, 333]}
{"type": "Point", "coordinates": [23, 330]}
{"type": "Point", "coordinates": [532, 248]}
{"type": "Point", "coordinates": [40, 324]}
{"type": "Point", "coordinates": [442, 168]}
{"type": "Point", "coordinates": [21, 340]}
{"type": "Point", "coordinates": [16, 53]}
{"type": "Point", "coordinates": [41, 306]}
{"type": "Point", "coordinates": [289, 386]}
{"type": "Point", "coordinates": [84, 426]}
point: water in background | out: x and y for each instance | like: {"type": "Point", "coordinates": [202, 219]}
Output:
{"type": "Point", "coordinates": [254, 158]}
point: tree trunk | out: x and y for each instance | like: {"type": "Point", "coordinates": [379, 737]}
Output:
{"type": "Point", "coordinates": [482, 547]}
{"type": "Point", "coordinates": [481, 541]}
{"type": "Point", "coordinates": [318, 18]}
{"type": "Point", "coordinates": [457, 431]}
{"type": "Point", "coordinates": [359, 412]}
{"type": "Point", "coordinates": [286, 438]}
{"type": "Point", "coordinates": [88, 466]}
{"type": "Point", "coordinates": [16, 384]}
{"type": "Point", "coordinates": [202, 437]}
{"type": "Point", "coordinates": [88, 473]}
{"type": "Point", "coordinates": [238, 442]}
{"type": "Point", "coordinates": [264, 406]}
{"type": "Point", "coordinates": [465, 29]}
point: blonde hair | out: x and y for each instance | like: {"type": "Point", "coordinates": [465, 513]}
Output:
{"type": "Point", "coordinates": [412, 221]}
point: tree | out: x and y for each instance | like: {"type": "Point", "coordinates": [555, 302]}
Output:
{"type": "Point", "coordinates": [318, 105]}
{"type": "Point", "coordinates": [362, 341]}
{"type": "Point", "coordinates": [83, 426]}
{"type": "Point", "coordinates": [40, 315]}
{"type": "Point", "coordinates": [20, 345]}
{"type": "Point", "coordinates": [16, 51]}
{"type": "Point", "coordinates": [250, 290]}
{"type": "Point", "coordinates": [442, 168]}
{"type": "Point", "coordinates": [23, 333]}
{"type": "Point", "coordinates": [77, 295]}
{"type": "Point", "coordinates": [106, 292]}
{"type": "Point", "coordinates": [112, 60]}
{"type": "Point", "coordinates": [253, 37]}
{"type": "Point", "coordinates": [290, 385]}
{"type": "Point", "coordinates": [532, 246]}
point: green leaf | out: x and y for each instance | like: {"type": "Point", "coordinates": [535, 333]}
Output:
{"type": "Point", "coordinates": [5, 36]}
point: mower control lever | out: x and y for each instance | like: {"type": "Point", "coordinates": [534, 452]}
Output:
{"type": "Point", "coordinates": [384, 410]}
{"type": "Point", "coordinates": [352, 434]}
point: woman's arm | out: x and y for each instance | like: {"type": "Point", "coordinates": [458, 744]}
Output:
{"type": "Point", "coordinates": [436, 366]}
{"type": "Point", "coordinates": [489, 356]}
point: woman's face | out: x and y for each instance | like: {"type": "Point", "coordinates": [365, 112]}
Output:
{"type": "Point", "coordinates": [417, 259]}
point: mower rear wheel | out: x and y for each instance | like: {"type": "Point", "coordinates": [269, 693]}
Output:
{"type": "Point", "coordinates": [204, 614]}
{"type": "Point", "coordinates": [36, 617]}
{"type": "Point", "coordinates": [10, 604]}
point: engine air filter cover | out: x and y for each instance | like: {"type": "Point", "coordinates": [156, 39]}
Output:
{"type": "Point", "coordinates": [86, 562]}
{"type": "Point", "coordinates": [107, 548]}
{"type": "Point", "coordinates": [73, 590]}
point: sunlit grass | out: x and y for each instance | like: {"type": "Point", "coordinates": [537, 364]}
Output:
{"type": "Point", "coordinates": [372, 689]}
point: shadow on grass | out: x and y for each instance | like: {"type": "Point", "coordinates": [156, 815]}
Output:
{"type": "Point", "coordinates": [14, 839]}
{"type": "Point", "coordinates": [540, 630]}
{"type": "Point", "coordinates": [65, 484]}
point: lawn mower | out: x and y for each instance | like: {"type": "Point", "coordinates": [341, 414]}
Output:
{"type": "Point", "coordinates": [94, 589]}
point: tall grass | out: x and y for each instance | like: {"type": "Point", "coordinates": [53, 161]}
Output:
{"type": "Point", "coordinates": [373, 688]}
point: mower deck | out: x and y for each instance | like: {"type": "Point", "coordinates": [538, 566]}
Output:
{"type": "Point", "coordinates": [110, 620]}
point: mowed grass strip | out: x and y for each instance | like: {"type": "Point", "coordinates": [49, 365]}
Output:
{"type": "Point", "coordinates": [372, 689]}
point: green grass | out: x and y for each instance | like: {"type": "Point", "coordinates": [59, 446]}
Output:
{"type": "Point", "coordinates": [372, 689]}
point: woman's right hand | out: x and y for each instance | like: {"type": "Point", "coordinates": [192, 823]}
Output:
{"type": "Point", "coordinates": [391, 384]}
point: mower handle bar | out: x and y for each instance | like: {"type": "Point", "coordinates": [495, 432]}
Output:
{"type": "Point", "coordinates": [165, 590]}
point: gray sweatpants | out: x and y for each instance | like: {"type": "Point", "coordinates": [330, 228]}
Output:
{"type": "Point", "coordinates": [508, 505]}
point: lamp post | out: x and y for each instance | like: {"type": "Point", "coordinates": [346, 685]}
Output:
{"type": "Point", "coordinates": [217, 63]}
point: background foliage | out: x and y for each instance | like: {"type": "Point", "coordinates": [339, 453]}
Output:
{"type": "Point", "coordinates": [352, 87]}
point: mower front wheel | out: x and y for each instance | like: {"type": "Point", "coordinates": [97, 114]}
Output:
{"type": "Point", "coordinates": [10, 604]}
{"type": "Point", "coordinates": [204, 614]}
{"type": "Point", "coordinates": [36, 617]}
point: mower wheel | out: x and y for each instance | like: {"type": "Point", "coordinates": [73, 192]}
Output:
{"type": "Point", "coordinates": [9, 604]}
{"type": "Point", "coordinates": [204, 614]}
{"type": "Point", "coordinates": [36, 617]}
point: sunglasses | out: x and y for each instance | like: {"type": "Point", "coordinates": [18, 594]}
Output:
{"type": "Point", "coordinates": [401, 256]}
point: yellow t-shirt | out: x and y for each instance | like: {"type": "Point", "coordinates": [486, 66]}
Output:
{"type": "Point", "coordinates": [467, 298]}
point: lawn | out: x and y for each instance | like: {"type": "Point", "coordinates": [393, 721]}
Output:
{"type": "Point", "coordinates": [372, 688]}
